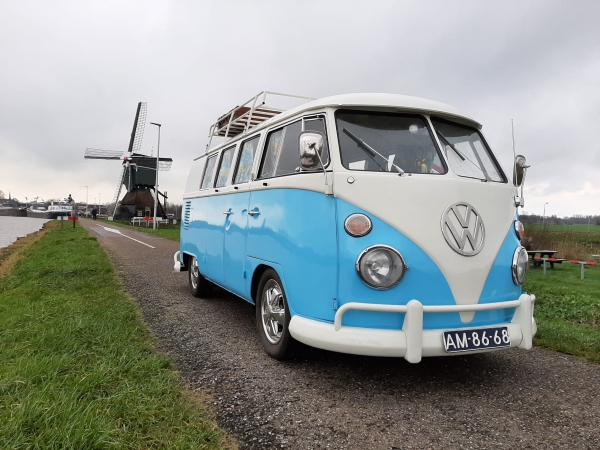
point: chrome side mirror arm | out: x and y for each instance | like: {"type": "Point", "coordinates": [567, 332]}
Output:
{"type": "Point", "coordinates": [520, 172]}
{"type": "Point", "coordinates": [310, 147]}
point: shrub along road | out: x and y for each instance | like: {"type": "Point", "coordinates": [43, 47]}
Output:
{"type": "Point", "coordinates": [319, 399]}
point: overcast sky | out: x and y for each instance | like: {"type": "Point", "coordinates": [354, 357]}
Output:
{"type": "Point", "coordinates": [72, 73]}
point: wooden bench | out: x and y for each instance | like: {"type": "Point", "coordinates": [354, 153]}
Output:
{"type": "Point", "coordinates": [583, 264]}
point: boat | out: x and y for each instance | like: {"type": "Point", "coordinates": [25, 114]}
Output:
{"type": "Point", "coordinates": [12, 211]}
{"type": "Point", "coordinates": [57, 208]}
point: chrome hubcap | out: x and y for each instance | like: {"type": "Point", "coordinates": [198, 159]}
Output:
{"type": "Point", "coordinates": [272, 310]}
{"type": "Point", "coordinates": [194, 273]}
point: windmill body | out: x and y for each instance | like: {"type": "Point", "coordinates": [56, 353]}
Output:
{"type": "Point", "coordinates": [138, 173]}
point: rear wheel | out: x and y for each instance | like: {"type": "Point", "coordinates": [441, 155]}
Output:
{"type": "Point", "coordinates": [273, 316]}
{"type": "Point", "coordinates": [199, 285]}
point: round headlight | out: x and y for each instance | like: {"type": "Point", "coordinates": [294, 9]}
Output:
{"type": "Point", "coordinates": [358, 225]}
{"type": "Point", "coordinates": [520, 265]}
{"type": "Point", "coordinates": [380, 266]}
{"type": "Point", "coordinates": [519, 229]}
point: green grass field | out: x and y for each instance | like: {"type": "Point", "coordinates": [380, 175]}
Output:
{"type": "Point", "coordinates": [170, 231]}
{"type": "Point", "coordinates": [567, 309]}
{"type": "Point", "coordinates": [575, 228]}
{"type": "Point", "coordinates": [77, 366]}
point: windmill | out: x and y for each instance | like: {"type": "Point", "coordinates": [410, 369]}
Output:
{"type": "Point", "coordinates": [137, 175]}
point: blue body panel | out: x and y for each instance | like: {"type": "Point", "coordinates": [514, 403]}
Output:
{"type": "Point", "coordinates": [296, 228]}
{"type": "Point", "coordinates": [301, 235]}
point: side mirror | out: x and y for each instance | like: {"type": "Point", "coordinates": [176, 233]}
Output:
{"type": "Point", "coordinates": [310, 147]}
{"type": "Point", "coordinates": [519, 170]}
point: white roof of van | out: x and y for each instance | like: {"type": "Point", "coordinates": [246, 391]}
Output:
{"type": "Point", "coordinates": [405, 103]}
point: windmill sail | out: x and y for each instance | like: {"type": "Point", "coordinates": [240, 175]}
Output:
{"type": "Point", "coordinates": [137, 134]}
{"type": "Point", "coordinates": [98, 153]}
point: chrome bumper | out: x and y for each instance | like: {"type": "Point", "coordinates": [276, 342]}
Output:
{"type": "Point", "coordinates": [412, 342]}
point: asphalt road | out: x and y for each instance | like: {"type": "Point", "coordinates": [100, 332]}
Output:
{"type": "Point", "coordinates": [319, 399]}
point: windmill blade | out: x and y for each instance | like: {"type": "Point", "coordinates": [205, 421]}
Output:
{"type": "Point", "coordinates": [98, 153]}
{"type": "Point", "coordinates": [118, 190]}
{"type": "Point", "coordinates": [139, 124]}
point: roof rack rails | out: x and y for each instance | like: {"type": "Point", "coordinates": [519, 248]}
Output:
{"type": "Point", "coordinates": [250, 114]}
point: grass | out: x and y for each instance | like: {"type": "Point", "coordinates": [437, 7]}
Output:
{"type": "Point", "coordinates": [77, 366]}
{"type": "Point", "coordinates": [567, 309]}
{"type": "Point", "coordinates": [170, 231]}
{"type": "Point", "coordinates": [574, 228]}
{"type": "Point", "coordinates": [571, 241]}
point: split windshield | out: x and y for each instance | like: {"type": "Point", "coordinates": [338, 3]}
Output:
{"type": "Point", "coordinates": [387, 142]}
{"type": "Point", "coordinates": [383, 142]}
{"type": "Point", "coordinates": [467, 152]}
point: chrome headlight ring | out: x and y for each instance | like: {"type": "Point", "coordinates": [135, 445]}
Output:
{"type": "Point", "coordinates": [520, 265]}
{"type": "Point", "coordinates": [380, 266]}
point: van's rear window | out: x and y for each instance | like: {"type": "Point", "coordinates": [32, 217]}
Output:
{"type": "Point", "coordinates": [384, 142]}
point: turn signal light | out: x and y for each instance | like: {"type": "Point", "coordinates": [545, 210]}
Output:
{"type": "Point", "coordinates": [358, 225]}
{"type": "Point", "coordinates": [519, 229]}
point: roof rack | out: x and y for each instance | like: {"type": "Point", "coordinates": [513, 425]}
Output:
{"type": "Point", "coordinates": [250, 114]}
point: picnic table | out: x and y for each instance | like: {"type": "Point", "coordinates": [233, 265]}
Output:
{"type": "Point", "coordinates": [140, 220]}
{"type": "Point", "coordinates": [544, 255]}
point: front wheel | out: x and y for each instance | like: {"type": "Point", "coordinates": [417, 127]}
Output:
{"type": "Point", "coordinates": [199, 285]}
{"type": "Point", "coordinates": [273, 316]}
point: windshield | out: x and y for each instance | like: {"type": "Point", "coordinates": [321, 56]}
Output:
{"type": "Point", "coordinates": [467, 153]}
{"type": "Point", "coordinates": [384, 142]}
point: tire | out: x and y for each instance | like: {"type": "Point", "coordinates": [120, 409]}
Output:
{"type": "Point", "coordinates": [273, 316]}
{"type": "Point", "coordinates": [199, 285]}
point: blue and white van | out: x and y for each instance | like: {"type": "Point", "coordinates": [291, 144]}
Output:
{"type": "Point", "coordinates": [371, 224]}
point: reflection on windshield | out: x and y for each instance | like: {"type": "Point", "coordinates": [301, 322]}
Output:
{"type": "Point", "coordinates": [466, 151]}
{"type": "Point", "coordinates": [395, 141]}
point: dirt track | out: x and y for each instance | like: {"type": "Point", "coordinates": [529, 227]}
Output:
{"type": "Point", "coordinates": [319, 399]}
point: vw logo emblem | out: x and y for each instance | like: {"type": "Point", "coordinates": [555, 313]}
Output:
{"type": "Point", "coordinates": [463, 229]}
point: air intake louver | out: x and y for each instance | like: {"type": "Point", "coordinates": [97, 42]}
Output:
{"type": "Point", "coordinates": [187, 215]}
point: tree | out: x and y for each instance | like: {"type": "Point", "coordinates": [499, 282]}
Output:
{"type": "Point", "coordinates": [2, 197]}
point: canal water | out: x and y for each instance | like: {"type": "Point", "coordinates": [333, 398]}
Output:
{"type": "Point", "coordinates": [12, 228]}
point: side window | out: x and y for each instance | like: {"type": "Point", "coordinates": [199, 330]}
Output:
{"type": "Point", "coordinates": [225, 167]}
{"type": "Point", "coordinates": [209, 172]}
{"type": "Point", "coordinates": [281, 155]}
{"type": "Point", "coordinates": [245, 160]}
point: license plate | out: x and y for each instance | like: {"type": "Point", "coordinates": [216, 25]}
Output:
{"type": "Point", "coordinates": [465, 340]}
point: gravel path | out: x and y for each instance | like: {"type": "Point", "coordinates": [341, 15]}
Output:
{"type": "Point", "coordinates": [319, 399]}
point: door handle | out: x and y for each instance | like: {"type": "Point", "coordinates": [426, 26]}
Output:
{"type": "Point", "coordinates": [254, 213]}
{"type": "Point", "coordinates": [227, 213]}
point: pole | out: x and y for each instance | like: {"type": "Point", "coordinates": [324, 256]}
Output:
{"type": "Point", "coordinates": [544, 216]}
{"type": "Point", "coordinates": [156, 182]}
{"type": "Point", "coordinates": [86, 200]}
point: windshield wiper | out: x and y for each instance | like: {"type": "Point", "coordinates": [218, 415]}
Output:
{"type": "Point", "coordinates": [460, 154]}
{"type": "Point", "coordinates": [373, 152]}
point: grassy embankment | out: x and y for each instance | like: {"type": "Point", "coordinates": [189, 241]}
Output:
{"type": "Point", "coordinates": [567, 308]}
{"type": "Point", "coordinates": [77, 366]}
{"type": "Point", "coordinates": [170, 231]}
